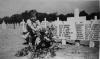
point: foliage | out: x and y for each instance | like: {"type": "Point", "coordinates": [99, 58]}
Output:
{"type": "Point", "coordinates": [43, 48]}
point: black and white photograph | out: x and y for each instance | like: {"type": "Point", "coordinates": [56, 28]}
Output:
{"type": "Point", "coordinates": [49, 29]}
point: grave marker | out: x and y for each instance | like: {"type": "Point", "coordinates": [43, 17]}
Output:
{"type": "Point", "coordinates": [91, 44]}
{"type": "Point", "coordinates": [3, 25]}
{"type": "Point", "coordinates": [63, 42]}
{"type": "Point", "coordinates": [23, 26]}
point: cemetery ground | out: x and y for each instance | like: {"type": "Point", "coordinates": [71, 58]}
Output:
{"type": "Point", "coordinates": [11, 41]}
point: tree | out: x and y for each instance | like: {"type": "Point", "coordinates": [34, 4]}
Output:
{"type": "Point", "coordinates": [52, 16]}
{"type": "Point", "coordinates": [41, 16]}
{"type": "Point", "coordinates": [62, 17]}
{"type": "Point", "coordinates": [16, 18]}
{"type": "Point", "coordinates": [83, 13]}
{"type": "Point", "coordinates": [91, 16]}
{"type": "Point", "coordinates": [69, 15]}
{"type": "Point", "coordinates": [25, 15]}
{"type": "Point", "coordinates": [0, 20]}
{"type": "Point", "coordinates": [95, 14]}
{"type": "Point", "coordinates": [6, 19]}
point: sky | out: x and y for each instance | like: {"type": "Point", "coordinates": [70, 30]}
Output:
{"type": "Point", "coordinates": [10, 7]}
